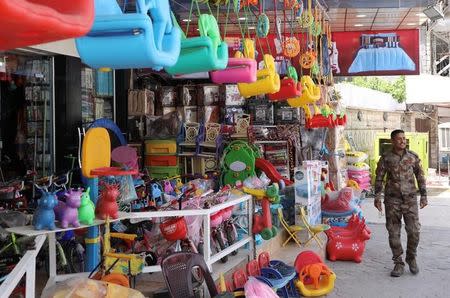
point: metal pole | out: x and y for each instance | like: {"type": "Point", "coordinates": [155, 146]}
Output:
{"type": "Point", "coordinates": [92, 240]}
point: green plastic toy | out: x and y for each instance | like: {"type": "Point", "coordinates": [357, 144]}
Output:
{"type": "Point", "coordinates": [238, 162]}
{"type": "Point", "coordinates": [203, 53]}
{"type": "Point", "coordinates": [86, 211]}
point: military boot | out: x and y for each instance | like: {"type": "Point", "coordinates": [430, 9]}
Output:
{"type": "Point", "coordinates": [398, 270]}
{"type": "Point", "coordinates": [413, 266]}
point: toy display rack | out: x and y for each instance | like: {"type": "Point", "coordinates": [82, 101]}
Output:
{"type": "Point", "coordinates": [205, 213]}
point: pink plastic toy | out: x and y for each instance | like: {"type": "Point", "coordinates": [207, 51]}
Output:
{"type": "Point", "coordinates": [348, 247]}
{"type": "Point", "coordinates": [239, 70]}
{"type": "Point", "coordinates": [67, 212]}
{"type": "Point", "coordinates": [107, 204]}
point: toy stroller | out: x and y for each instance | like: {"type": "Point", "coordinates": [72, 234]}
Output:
{"type": "Point", "coordinates": [118, 268]}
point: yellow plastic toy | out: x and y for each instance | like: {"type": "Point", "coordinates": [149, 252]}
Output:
{"type": "Point", "coordinates": [249, 48]}
{"type": "Point", "coordinates": [353, 184]}
{"type": "Point", "coordinates": [268, 81]}
{"type": "Point", "coordinates": [96, 151]}
{"type": "Point", "coordinates": [310, 94]}
{"type": "Point", "coordinates": [115, 267]}
{"type": "Point", "coordinates": [315, 280]}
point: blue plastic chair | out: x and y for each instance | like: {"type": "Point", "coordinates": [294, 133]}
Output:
{"type": "Point", "coordinates": [203, 53]}
{"type": "Point", "coordinates": [131, 40]}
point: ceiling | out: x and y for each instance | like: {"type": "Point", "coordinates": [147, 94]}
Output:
{"type": "Point", "coordinates": [343, 15]}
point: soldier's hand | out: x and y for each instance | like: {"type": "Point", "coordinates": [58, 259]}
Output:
{"type": "Point", "coordinates": [377, 204]}
{"type": "Point", "coordinates": [423, 202]}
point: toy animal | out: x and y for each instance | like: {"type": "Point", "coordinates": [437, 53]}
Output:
{"type": "Point", "coordinates": [348, 247]}
{"type": "Point", "coordinates": [67, 212]}
{"type": "Point", "coordinates": [86, 211]}
{"type": "Point", "coordinates": [353, 223]}
{"type": "Point", "coordinates": [44, 216]}
{"type": "Point", "coordinates": [107, 204]}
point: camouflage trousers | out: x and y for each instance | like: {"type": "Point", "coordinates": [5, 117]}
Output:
{"type": "Point", "coordinates": [395, 209]}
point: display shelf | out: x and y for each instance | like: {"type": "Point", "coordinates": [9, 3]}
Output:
{"type": "Point", "coordinates": [205, 213]}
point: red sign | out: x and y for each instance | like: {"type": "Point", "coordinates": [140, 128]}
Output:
{"type": "Point", "coordinates": [366, 53]}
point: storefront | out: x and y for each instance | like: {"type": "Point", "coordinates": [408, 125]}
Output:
{"type": "Point", "coordinates": [216, 149]}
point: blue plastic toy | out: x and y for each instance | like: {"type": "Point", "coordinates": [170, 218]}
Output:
{"type": "Point", "coordinates": [145, 39]}
{"type": "Point", "coordinates": [44, 216]}
{"type": "Point", "coordinates": [204, 53]}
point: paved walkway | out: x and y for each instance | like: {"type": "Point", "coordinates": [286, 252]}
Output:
{"type": "Point", "coordinates": [371, 277]}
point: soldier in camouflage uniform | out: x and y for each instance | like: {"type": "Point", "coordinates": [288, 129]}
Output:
{"type": "Point", "coordinates": [400, 199]}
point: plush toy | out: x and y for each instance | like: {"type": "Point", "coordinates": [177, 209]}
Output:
{"type": "Point", "coordinates": [107, 204]}
{"type": "Point", "coordinates": [86, 211]}
{"type": "Point", "coordinates": [44, 216]}
{"type": "Point", "coordinates": [67, 212]}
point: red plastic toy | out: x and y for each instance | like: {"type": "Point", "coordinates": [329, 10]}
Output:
{"type": "Point", "coordinates": [30, 22]}
{"type": "Point", "coordinates": [288, 89]}
{"type": "Point", "coordinates": [270, 171]}
{"type": "Point", "coordinates": [107, 204]}
{"type": "Point", "coordinates": [348, 247]}
{"type": "Point", "coordinates": [262, 223]}
{"type": "Point", "coordinates": [318, 121]}
{"type": "Point", "coordinates": [353, 223]}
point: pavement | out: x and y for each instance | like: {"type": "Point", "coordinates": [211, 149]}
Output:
{"type": "Point", "coordinates": [371, 278]}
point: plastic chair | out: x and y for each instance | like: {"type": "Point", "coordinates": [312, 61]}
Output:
{"type": "Point", "coordinates": [147, 38]}
{"type": "Point", "coordinates": [30, 22]}
{"type": "Point", "coordinates": [239, 279]}
{"type": "Point", "coordinates": [291, 230]}
{"type": "Point", "coordinates": [268, 81]}
{"type": "Point", "coordinates": [271, 277]}
{"type": "Point", "coordinates": [284, 269]}
{"type": "Point", "coordinates": [204, 53]}
{"type": "Point", "coordinates": [178, 269]}
{"type": "Point", "coordinates": [313, 230]}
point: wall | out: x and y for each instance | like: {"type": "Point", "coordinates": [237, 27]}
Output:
{"type": "Point", "coordinates": [363, 131]}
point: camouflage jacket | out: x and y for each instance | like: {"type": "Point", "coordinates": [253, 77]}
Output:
{"type": "Point", "coordinates": [400, 171]}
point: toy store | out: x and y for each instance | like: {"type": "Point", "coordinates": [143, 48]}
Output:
{"type": "Point", "coordinates": [177, 148]}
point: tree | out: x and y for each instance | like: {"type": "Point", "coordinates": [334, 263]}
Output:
{"type": "Point", "coordinates": [396, 88]}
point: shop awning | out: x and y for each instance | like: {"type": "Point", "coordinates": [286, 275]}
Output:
{"type": "Point", "coordinates": [427, 89]}
{"type": "Point", "coordinates": [364, 98]}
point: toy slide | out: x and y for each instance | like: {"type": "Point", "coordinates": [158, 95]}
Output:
{"type": "Point", "coordinates": [270, 171]}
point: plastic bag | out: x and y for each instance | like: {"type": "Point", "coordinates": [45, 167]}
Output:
{"type": "Point", "coordinates": [89, 288]}
{"type": "Point", "coordinates": [165, 127]}
{"type": "Point", "coordinates": [257, 289]}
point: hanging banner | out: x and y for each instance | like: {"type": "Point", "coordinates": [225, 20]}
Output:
{"type": "Point", "coordinates": [373, 53]}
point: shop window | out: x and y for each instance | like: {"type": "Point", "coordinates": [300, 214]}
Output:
{"type": "Point", "coordinates": [26, 130]}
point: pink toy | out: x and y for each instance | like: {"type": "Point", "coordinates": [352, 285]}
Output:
{"type": "Point", "coordinates": [168, 187]}
{"type": "Point", "coordinates": [126, 156]}
{"type": "Point", "coordinates": [107, 204]}
{"type": "Point", "coordinates": [67, 212]}
{"type": "Point", "coordinates": [348, 247]}
{"type": "Point", "coordinates": [239, 70]}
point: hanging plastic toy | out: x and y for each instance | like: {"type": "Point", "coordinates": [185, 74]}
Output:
{"type": "Point", "coordinates": [239, 69]}
{"type": "Point", "coordinates": [203, 53]}
{"type": "Point", "coordinates": [29, 22]}
{"type": "Point", "coordinates": [118, 40]}
{"type": "Point", "coordinates": [310, 93]}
